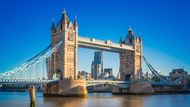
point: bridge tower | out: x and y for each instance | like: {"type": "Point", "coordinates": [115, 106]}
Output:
{"type": "Point", "coordinates": [131, 61]}
{"type": "Point", "coordinates": [63, 63]}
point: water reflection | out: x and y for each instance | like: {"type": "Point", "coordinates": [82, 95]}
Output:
{"type": "Point", "coordinates": [132, 101]}
{"type": "Point", "coordinates": [64, 102]}
{"type": "Point", "coordinates": [96, 100]}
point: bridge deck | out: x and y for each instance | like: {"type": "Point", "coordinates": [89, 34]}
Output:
{"type": "Point", "coordinates": [102, 45]}
{"type": "Point", "coordinates": [24, 81]}
{"type": "Point", "coordinates": [124, 84]}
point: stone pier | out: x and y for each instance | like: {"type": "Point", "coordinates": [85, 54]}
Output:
{"type": "Point", "coordinates": [141, 88]}
{"type": "Point", "coordinates": [66, 88]}
{"type": "Point", "coordinates": [135, 88]}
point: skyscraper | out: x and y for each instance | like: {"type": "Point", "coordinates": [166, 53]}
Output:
{"type": "Point", "coordinates": [97, 65]}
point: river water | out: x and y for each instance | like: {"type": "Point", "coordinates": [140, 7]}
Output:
{"type": "Point", "coordinates": [16, 99]}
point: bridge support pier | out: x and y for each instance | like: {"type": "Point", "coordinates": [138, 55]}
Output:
{"type": "Point", "coordinates": [134, 88]}
{"type": "Point", "coordinates": [117, 90]}
{"type": "Point", "coordinates": [141, 88]}
{"type": "Point", "coordinates": [66, 87]}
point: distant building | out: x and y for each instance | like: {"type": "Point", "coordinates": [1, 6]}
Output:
{"type": "Point", "coordinates": [180, 76]}
{"type": "Point", "coordinates": [109, 71]}
{"type": "Point", "coordinates": [177, 73]}
{"type": "Point", "coordinates": [84, 75]}
{"type": "Point", "coordinates": [107, 74]}
{"type": "Point", "coordinates": [97, 65]}
{"type": "Point", "coordinates": [103, 75]}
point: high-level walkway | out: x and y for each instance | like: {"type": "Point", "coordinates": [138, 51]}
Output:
{"type": "Point", "coordinates": [108, 45]}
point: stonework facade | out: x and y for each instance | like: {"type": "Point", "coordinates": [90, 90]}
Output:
{"type": "Point", "coordinates": [64, 61]}
{"type": "Point", "coordinates": [131, 61]}
{"type": "Point", "coordinates": [62, 65]}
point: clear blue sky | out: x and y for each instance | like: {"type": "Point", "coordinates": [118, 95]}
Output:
{"type": "Point", "coordinates": [163, 24]}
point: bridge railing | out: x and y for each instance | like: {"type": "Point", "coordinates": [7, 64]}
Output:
{"type": "Point", "coordinates": [121, 84]}
{"type": "Point", "coordinates": [23, 81]}
{"type": "Point", "coordinates": [84, 38]}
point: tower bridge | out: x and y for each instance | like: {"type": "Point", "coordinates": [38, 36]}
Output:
{"type": "Point", "coordinates": [61, 62]}
{"type": "Point", "coordinates": [64, 60]}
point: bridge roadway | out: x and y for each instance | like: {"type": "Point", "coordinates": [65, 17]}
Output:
{"type": "Point", "coordinates": [24, 81]}
{"type": "Point", "coordinates": [121, 84]}
{"type": "Point", "coordinates": [108, 45]}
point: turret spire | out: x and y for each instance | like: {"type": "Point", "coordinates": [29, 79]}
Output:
{"type": "Point", "coordinates": [75, 21]}
{"type": "Point", "coordinates": [64, 16]}
{"type": "Point", "coordinates": [130, 29]}
{"type": "Point", "coordinates": [53, 30]}
{"type": "Point", "coordinates": [130, 36]}
{"type": "Point", "coordinates": [140, 36]}
{"type": "Point", "coordinates": [120, 41]}
{"type": "Point", "coordinates": [64, 11]}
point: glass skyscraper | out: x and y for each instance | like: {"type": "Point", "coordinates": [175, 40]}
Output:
{"type": "Point", "coordinates": [97, 65]}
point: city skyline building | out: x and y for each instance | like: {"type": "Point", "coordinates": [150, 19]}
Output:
{"type": "Point", "coordinates": [97, 65]}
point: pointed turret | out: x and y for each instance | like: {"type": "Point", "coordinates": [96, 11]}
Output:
{"type": "Point", "coordinates": [130, 37]}
{"type": "Point", "coordinates": [63, 24]}
{"type": "Point", "coordinates": [53, 29]}
{"type": "Point", "coordinates": [120, 40]}
{"type": "Point", "coordinates": [76, 24]}
{"type": "Point", "coordinates": [75, 21]}
{"type": "Point", "coordinates": [140, 38]}
{"type": "Point", "coordinates": [130, 32]}
{"type": "Point", "coordinates": [64, 18]}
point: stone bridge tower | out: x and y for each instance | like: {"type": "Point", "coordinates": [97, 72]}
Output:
{"type": "Point", "coordinates": [131, 61]}
{"type": "Point", "coordinates": [63, 63]}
